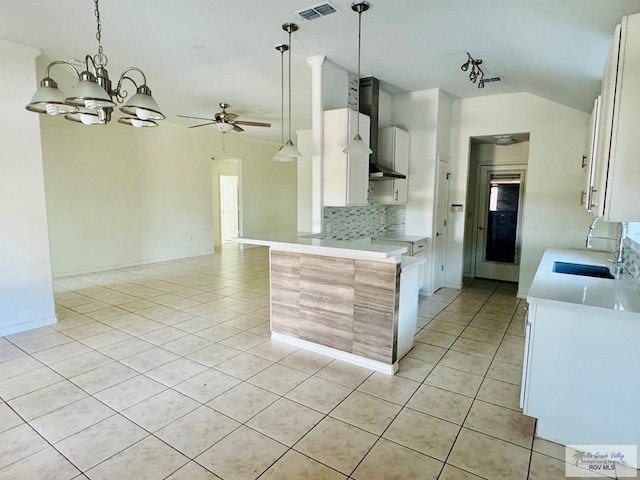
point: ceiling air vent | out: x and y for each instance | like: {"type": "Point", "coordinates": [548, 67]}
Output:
{"type": "Point", "coordinates": [492, 79]}
{"type": "Point", "coordinates": [317, 11]}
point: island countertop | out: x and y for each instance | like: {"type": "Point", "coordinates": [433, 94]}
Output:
{"type": "Point", "coordinates": [308, 243]}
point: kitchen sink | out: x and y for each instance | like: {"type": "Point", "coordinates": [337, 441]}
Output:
{"type": "Point", "coordinates": [582, 269]}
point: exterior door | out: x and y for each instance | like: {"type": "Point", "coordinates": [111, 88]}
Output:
{"type": "Point", "coordinates": [440, 224]}
{"type": "Point", "coordinates": [498, 222]}
{"type": "Point", "coordinates": [229, 208]}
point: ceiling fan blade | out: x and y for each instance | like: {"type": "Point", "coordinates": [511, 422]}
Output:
{"type": "Point", "coordinates": [236, 128]}
{"type": "Point", "coordinates": [230, 116]}
{"type": "Point", "coordinates": [197, 118]}
{"type": "Point", "coordinates": [252, 124]}
{"type": "Point", "coordinates": [202, 124]}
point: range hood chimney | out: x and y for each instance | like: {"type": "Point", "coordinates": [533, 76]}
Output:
{"type": "Point", "coordinates": [370, 105]}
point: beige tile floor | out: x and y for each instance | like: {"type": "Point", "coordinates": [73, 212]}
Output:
{"type": "Point", "coordinates": [167, 371]}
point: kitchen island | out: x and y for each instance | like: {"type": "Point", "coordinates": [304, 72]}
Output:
{"type": "Point", "coordinates": [581, 370]}
{"type": "Point", "coordinates": [351, 300]}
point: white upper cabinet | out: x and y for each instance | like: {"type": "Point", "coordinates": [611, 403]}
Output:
{"type": "Point", "coordinates": [588, 195]}
{"type": "Point", "coordinates": [393, 153]}
{"type": "Point", "coordinates": [345, 177]}
{"type": "Point", "coordinates": [617, 160]}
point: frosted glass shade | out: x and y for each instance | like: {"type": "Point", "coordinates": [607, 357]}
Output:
{"type": "Point", "coordinates": [143, 105]}
{"type": "Point", "coordinates": [49, 99]}
{"type": "Point", "coordinates": [357, 146]}
{"type": "Point", "coordinates": [87, 93]}
{"type": "Point", "coordinates": [137, 122]}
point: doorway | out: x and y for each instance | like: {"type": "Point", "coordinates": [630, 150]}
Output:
{"type": "Point", "coordinates": [226, 196]}
{"type": "Point", "coordinates": [229, 208]}
{"type": "Point", "coordinates": [498, 222]}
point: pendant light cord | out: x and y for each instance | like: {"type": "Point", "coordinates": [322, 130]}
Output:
{"type": "Point", "coordinates": [282, 96]}
{"type": "Point", "coordinates": [289, 84]}
{"type": "Point", "coordinates": [358, 80]}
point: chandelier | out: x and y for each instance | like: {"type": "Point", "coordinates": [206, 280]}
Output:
{"type": "Point", "coordinates": [93, 97]}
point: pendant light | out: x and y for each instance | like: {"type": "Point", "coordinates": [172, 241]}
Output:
{"type": "Point", "coordinates": [289, 149]}
{"type": "Point", "coordinates": [93, 99]}
{"type": "Point", "coordinates": [357, 145]}
{"type": "Point", "coordinates": [279, 157]}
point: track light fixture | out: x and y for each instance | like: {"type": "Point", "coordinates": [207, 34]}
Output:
{"type": "Point", "coordinates": [476, 75]}
{"type": "Point", "coordinates": [93, 99]}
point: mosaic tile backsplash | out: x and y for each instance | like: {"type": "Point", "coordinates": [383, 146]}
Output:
{"type": "Point", "coordinates": [350, 223]}
{"type": "Point", "coordinates": [631, 258]}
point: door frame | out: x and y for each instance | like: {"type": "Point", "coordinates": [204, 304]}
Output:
{"type": "Point", "coordinates": [224, 166]}
{"type": "Point", "coordinates": [237, 202]}
{"type": "Point", "coordinates": [479, 207]}
{"type": "Point", "coordinates": [443, 162]}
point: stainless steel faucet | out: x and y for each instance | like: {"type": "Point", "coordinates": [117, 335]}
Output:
{"type": "Point", "coordinates": [617, 261]}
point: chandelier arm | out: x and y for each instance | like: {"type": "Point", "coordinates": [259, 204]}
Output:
{"type": "Point", "coordinates": [122, 94]}
{"type": "Point", "coordinates": [60, 62]}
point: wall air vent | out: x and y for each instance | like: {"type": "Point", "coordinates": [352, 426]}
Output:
{"type": "Point", "coordinates": [317, 11]}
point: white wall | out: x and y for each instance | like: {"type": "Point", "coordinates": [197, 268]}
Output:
{"type": "Point", "coordinates": [305, 180]}
{"type": "Point", "coordinates": [119, 196]}
{"type": "Point", "coordinates": [553, 217]}
{"type": "Point", "coordinates": [26, 289]}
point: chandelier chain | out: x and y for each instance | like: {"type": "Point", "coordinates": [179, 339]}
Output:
{"type": "Point", "coordinates": [100, 59]}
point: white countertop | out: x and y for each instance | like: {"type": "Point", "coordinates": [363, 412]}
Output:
{"type": "Point", "coordinates": [621, 294]}
{"type": "Point", "coordinates": [401, 237]}
{"type": "Point", "coordinates": [306, 243]}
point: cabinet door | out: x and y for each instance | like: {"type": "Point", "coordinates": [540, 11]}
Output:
{"type": "Point", "coordinates": [605, 128]}
{"type": "Point", "coordinates": [358, 165]}
{"type": "Point", "coordinates": [526, 361]}
{"type": "Point", "coordinates": [589, 196]}
{"type": "Point", "coordinates": [345, 177]}
{"type": "Point", "coordinates": [401, 165]}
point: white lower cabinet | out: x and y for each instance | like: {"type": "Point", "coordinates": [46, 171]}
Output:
{"type": "Point", "coordinates": [581, 374]}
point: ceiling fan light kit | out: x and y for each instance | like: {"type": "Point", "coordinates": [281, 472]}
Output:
{"type": "Point", "coordinates": [357, 145]}
{"type": "Point", "coordinates": [476, 74]}
{"type": "Point", "coordinates": [92, 98]}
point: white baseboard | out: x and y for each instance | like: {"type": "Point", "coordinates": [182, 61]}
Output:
{"type": "Point", "coordinates": [133, 264]}
{"type": "Point", "coordinates": [335, 353]}
{"type": "Point", "coordinates": [24, 326]}
{"type": "Point", "coordinates": [521, 294]}
{"type": "Point", "coordinates": [424, 292]}
{"type": "Point", "coordinates": [457, 286]}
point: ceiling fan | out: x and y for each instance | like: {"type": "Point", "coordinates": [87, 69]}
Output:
{"type": "Point", "coordinates": [226, 121]}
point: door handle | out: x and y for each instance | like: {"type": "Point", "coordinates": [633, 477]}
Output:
{"type": "Point", "coordinates": [480, 227]}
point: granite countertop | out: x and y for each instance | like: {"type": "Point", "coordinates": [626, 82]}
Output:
{"type": "Point", "coordinates": [302, 242]}
{"type": "Point", "coordinates": [620, 295]}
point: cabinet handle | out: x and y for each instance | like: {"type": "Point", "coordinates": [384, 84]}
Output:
{"type": "Point", "coordinates": [583, 196]}
{"type": "Point", "coordinates": [396, 195]}
{"type": "Point", "coordinates": [584, 161]}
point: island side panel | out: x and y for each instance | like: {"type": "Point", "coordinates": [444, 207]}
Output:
{"type": "Point", "coordinates": [326, 300]}
{"type": "Point", "coordinates": [375, 321]}
{"type": "Point", "coordinates": [285, 293]}
{"type": "Point", "coordinates": [346, 304]}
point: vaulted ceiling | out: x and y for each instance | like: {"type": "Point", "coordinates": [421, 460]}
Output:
{"type": "Point", "coordinates": [197, 53]}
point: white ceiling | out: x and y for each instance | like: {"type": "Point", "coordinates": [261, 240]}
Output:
{"type": "Point", "coordinates": [197, 53]}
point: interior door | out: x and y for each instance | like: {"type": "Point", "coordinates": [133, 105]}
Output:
{"type": "Point", "coordinates": [498, 222]}
{"type": "Point", "coordinates": [229, 208]}
{"type": "Point", "coordinates": [440, 224]}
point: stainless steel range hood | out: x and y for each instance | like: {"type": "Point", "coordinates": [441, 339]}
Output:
{"type": "Point", "coordinates": [370, 105]}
